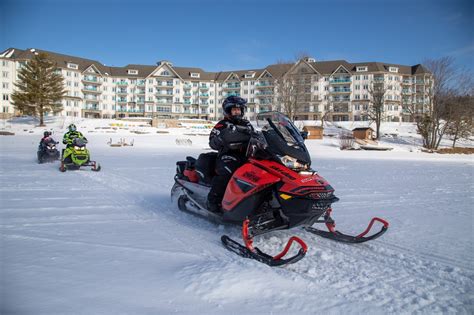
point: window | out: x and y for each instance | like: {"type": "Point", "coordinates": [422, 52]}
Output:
{"type": "Point", "coordinates": [5, 85]}
{"type": "Point", "coordinates": [249, 75]}
{"type": "Point", "coordinates": [357, 87]}
{"type": "Point", "coordinates": [361, 69]}
{"type": "Point", "coordinates": [195, 75]}
{"type": "Point", "coordinates": [72, 66]}
{"type": "Point", "coordinates": [5, 97]}
{"type": "Point", "coordinates": [131, 71]}
{"type": "Point", "coordinates": [366, 77]}
{"type": "Point", "coordinates": [5, 74]}
{"type": "Point", "coordinates": [393, 69]}
{"type": "Point", "coordinates": [165, 73]}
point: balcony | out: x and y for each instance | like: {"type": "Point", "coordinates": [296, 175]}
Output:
{"type": "Point", "coordinates": [90, 78]}
{"type": "Point", "coordinates": [90, 89]}
{"type": "Point", "coordinates": [263, 93]}
{"type": "Point", "coordinates": [187, 86]}
{"type": "Point", "coordinates": [341, 99]}
{"type": "Point", "coordinates": [340, 81]}
{"type": "Point", "coordinates": [141, 82]}
{"type": "Point", "coordinates": [130, 110]}
{"type": "Point", "coordinates": [122, 83]}
{"type": "Point", "coordinates": [232, 86]}
{"type": "Point", "coordinates": [187, 102]}
{"type": "Point", "coordinates": [164, 101]}
{"type": "Point", "coordinates": [379, 79]}
{"type": "Point", "coordinates": [232, 94]}
{"type": "Point", "coordinates": [204, 87]}
{"type": "Point", "coordinates": [341, 90]}
{"type": "Point", "coordinates": [121, 91]}
{"type": "Point", "coordinates": [140, 92]}
{"type": "Point", "coordinates": [93, 107]}
{"type": "Point", "coordinates": [204, 95]}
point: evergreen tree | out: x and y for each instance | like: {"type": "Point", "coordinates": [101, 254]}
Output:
{"type": "Point", "coordinates": [39, 89]}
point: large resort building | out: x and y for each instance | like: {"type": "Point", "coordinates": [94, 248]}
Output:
{"type": "Point", "coordinates": [337, 90]}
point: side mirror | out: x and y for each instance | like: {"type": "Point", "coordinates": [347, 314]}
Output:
{"type": "Point", "coordinates": [304, 134]}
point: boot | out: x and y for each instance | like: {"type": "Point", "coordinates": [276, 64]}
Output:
{"type": "Point", "coordinates": [212, 204]}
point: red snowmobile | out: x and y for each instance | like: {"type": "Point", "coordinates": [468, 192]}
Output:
{"type": "Point", "coordinates": [276, 189]}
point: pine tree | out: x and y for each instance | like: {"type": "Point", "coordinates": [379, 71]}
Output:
{"type": "Point", "coordinates": [39, 89]}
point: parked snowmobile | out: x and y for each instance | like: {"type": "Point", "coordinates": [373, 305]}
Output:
{"type": "Point", "coordinates": [47, 151]}
{"type": "Point", "coordinates": [77, 156]}
{"type": "Point", "coordinates": [276, 189]}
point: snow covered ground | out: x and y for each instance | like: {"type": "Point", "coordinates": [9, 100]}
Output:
{"type": "Point", "coordinates": [112, 242]}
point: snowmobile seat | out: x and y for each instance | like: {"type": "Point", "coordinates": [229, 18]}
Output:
{"type": "Point", "coordinates": [205, 166]}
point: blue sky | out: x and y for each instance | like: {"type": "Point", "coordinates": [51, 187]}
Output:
{"type": "Point", "coordinates": [231, 35]}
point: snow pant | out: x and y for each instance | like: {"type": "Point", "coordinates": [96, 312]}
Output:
{"type": "Point", "coordinates": [226, 165]}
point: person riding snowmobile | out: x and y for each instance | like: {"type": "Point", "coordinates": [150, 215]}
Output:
{"type": "Point", "coordinates": [71, 135]}
{"type": "Point", "coordinates": [47, 148]}
{"type": "Point", "coordinates": [230, 138]}
{"type": "Point", "coordinates": [46, 136]}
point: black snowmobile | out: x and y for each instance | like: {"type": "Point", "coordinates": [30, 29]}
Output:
{"type": "Point", "coordinates": [276, 189]}
{"type": "Point", "coordinates": [47, 151]}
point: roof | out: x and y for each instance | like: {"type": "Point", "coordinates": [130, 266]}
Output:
{"type": "Point", "coordinates": [362, 128]}
{"type": "Point", "coordinates": [276, 70]}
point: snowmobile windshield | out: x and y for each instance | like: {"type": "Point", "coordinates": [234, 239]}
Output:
{"type": "Point", "coordinates": [283, 137]}
{"type": "Point", "coordinates": [79, 142]}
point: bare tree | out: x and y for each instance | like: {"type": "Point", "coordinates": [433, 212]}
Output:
{"type": "Point", "coordinates": [376, 109]}
{"type": "Point", "coordinates": [461, 112]}
{"type": "Point", "coordinates": [431, 116]}
{"type": "Point", "coordinates": [291, 94]}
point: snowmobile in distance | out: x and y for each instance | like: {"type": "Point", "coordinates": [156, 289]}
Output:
{"type": "Point", "coordinates": [47, 151]}
{"type": "Point", "coordinates": [276, 189]}
{"type": "Point", "coordinates": [77, 156]}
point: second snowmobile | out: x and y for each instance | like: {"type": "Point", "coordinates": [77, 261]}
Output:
{"type": "Point", "coordinates": [276, 189]}
{"type": "Point", "coordinates": [47, 151]}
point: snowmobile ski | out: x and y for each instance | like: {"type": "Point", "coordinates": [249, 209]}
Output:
{"type": "Point", "coordinates": [248, 251]}
{"type": "Point", "coordinates": [344, 238]}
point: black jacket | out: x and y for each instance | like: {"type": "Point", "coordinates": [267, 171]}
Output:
{"type": "Point", "coordinates": [230, 136]}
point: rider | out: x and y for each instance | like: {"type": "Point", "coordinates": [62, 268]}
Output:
{"type": "Point", "coordinates": [230, 137]}
{"type": "Point", "coordinates": [46, 136]}
{"type": "Point", "coordinates": [71, 135]}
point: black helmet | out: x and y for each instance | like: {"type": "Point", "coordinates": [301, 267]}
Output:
{"type": "Point", "coordinates": [231, 102]}
{"type": "Point", "coordinates": [46, 134]}
{"type": "Point", "coordinates": [72, 127]}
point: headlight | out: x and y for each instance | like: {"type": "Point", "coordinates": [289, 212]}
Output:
{"type": "Point", "coordinates": [291, 162]}
{"type": "Point", "coordinates": [53, 147]}
{"type": "Point", "coordinates": [76, 147]}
